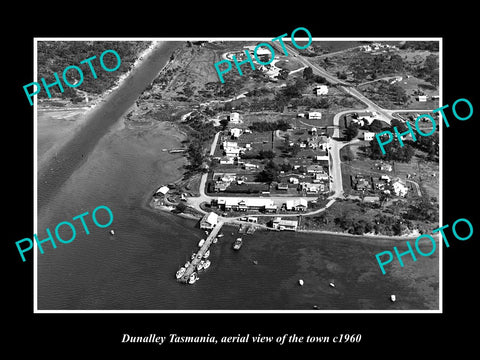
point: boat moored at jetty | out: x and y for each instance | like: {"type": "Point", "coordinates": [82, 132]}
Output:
{"type": "Point", "coordinates": [237, 244]}
{"type": "Point", "coordinates": [193, 278]}
{"type": "Point", "coordinates": [201, 242]}
{"type": "Point", "coordinates": [180, 272]}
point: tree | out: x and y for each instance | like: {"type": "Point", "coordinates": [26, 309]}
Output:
{"type": "Point", "coordinates": [308, 73]}
{"type": "Point", "coordinates": [269, 173]}
{"type": "Point", "coordinates": [266, 154]}
{"type": "Point", "coordinates": [224, 123]}
{"type": "Point", "coordinates": [376, 126]}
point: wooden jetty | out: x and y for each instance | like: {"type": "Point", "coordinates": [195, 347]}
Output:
{"type": "Point", "coordinates": [193, 263]}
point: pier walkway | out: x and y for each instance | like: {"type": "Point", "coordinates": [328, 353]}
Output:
{"type": "Point", "coordinates": [208, 241]}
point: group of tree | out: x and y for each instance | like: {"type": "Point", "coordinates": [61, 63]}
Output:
{"type": "Point", "coordinates": [421, 45]}
{"type": "Point", "coordinates": [429, 71]}
{"type": "Point", "coordinates": [269, 173]}
{"type": "Point", "coordinates": [201, 128]}
{"type": "Point", "coordinates": [351, 131]}
{"type": "Point", "coordinates": [311, 102]}
{"type": "Point", "coordinates": [55, 56]}
{"type": "Point", "coordinates": [424, 209]}
{"type": "Point", "coordinates": [261, 155]}
{"type": "Point", "coordinates": [196, 156]}
{"type": "Point", "coordinates": [309, 76]}
{"type": "Point", "coordinates": [393, 151]}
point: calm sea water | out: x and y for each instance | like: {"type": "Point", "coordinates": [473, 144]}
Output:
{"type": "Point", "coordinates": [134, 270]}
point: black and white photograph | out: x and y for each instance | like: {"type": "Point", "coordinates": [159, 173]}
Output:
{"type": "Point", "coordinates": [251, 163]}
{"type": "Point", "coordinates": [253, 182]}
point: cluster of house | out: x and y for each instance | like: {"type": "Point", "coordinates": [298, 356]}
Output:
{"type": "Point", "coordinates": [259, 204]}
{"type": "Point", "coordinates": [424, 98]}
{"type": "Point", "coordinates": [377, 47]}
{"type": "Point", "coordinates": [364, 119]}
{"type": "Point", "coordinates": [223, 180]}
{"type": "Point", "coordinates": [384, 184]}
{"type": "Point", "coordinates": [232, 151]}
{"type": "Point", "coordinates": [315, 142]}
{"type": "Point", "coordinates": [210, 220]}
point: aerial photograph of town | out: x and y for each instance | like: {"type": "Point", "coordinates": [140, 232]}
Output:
{"type": "Point", "coordinates": [262, 188]}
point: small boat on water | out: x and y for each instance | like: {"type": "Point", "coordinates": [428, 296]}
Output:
{"type": "Point", "coordinates": [215, 239]}
{"type": "Point", "coordinates": [201, 242]}
{"type": "Point", "coordinates": [206, 232]}
{"type": "Point", "coordinates": [207, 264]}
{"type": "Point", "coordinates": [200, 265]}
{"type": "Point", "coordinates": [187, 264]}
{"type": "Point", "coordinates": [220, 235]}
{"type": "Point", "coordinates": [207, 254]}
{"type": "Point", "coordinates": [393, 298]}
{"type": "Point", "coordinates": [255, 262]}
{"type": "Point", "coordinates": [112, 232]}
{"type": "Point", "coordinates": [193, 277]}
{"type": "Point", "coordinates": [332, 284]}
{"type": "Point", "coordinates": [180, 272]}
{"type": "Point", "coordinates": [193, 256]}
{"type": "Point", "coordinates": [237, 244]}
{"type": "Point", "coordinates": [300, 282]}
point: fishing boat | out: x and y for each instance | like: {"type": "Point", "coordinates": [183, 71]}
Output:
{"type": "Point", "coordinates": [237, 244]}
{"type": "Point", "coordinates": [180, 272]}
{"type": "Point", "coordinates": [193, 256]}
{"type": "Point", "coordinates": [207, 254]}
{"type": "Point", "coordinates": [215, 239]}
{"type": "Point", "coordinates": [112, 232]}
{"type": "Point", "coordinates": [187, 264]}
{"type": "Point", "coordinates": [332, 284]}
{"type": "Point", "coordinates": [300, 282]}
{"type": "Point", "coordinates": [201, 242]}
{"type": "Point", "coordinates": [207, 264]}
{"type": "Point", "coordinates": [193, 277]}
{"type": "Point", "coordinates": [393, 298]}
{"type": "Point", "coordinates": [200, 265]}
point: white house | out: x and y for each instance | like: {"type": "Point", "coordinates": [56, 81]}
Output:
{"type": "Point", "coordinates": [280, 224]}
{"type": "Point", "coordinates": [235, 132]}
{"type": "Point", "coordinates": [314, 115]}
{"type": "Point", "coordinates": [227, 160]}
{"type": "Point", "coordinates": [321, 90]}
{"type": "Point", "coordinates": [299, 204]}
{"type": "Point", "coordinates": [422, 98]}
{"type": "Point", "coordinates": [368, 135]}
{"type": "Point", "coordinates": [399, 188]}
{"type": "Point", "coordinates": [163, 190]}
